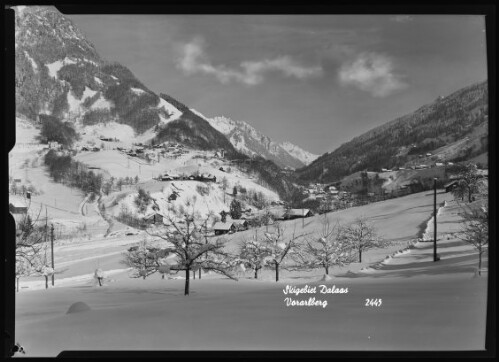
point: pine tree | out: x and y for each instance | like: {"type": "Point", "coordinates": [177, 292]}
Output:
{"type": "Point", "coordinates": [235, 210]}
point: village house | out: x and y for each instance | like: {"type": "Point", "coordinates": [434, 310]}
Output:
{"type": "Point", "coordinates": [298, 213]}
{"type": "Point", "coordinates": [240, 224]}
{"type": "Point", "coordinates": [224, 228]}
{"type": "Point", "coordinates": [153, 218]}
{"type": "Point", "coordinates": [450, 186]}
{"type": "Point", "coordinates": [106, 139]}
{"type": "Point", "coordinates": [18, 207]}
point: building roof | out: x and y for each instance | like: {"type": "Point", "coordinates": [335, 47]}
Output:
{"type": "Point", "coordinates": [239, 221]}
{"type": "Point", "coordinates": [17, 203]}
{"type": "Point", "coordinates": [152, 214]}
{"type": "Point", "coordinates": [451, 183]}
{"type": "Point", "coordinates": [223, 225]}
{"type": "Point", "coordinates": [298, 212]}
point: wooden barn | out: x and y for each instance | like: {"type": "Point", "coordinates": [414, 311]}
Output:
{"type": "Point", "coordinates": [298, 213]}
{"type": "Point", "coordinates": [241, 224]}
{"type": "Point", "coordinates": [18, 207]}
{"type": "Point", "coordinates": [224, 228]}
{"type": "Point", "coordinates": [154, 218]}
{"type": "Point", "coordinates": [450, 186]}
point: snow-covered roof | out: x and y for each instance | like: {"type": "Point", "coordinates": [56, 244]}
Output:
{"type": "Point", "coordinates": [239, 221]}
{"type": "Point", "coordinates": [223, 225]}
{"type": "Point", "coordinates": [152, 214]}
{"type": "Point", "coordinates": [298, 212]}
{"type": "Point", "coordinates": [17, 203]}
{"type": "Point", "coordinates": [451, 183]}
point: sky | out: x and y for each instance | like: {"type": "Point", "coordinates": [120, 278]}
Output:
{"type": "Point", "coordinates": [314, 80]}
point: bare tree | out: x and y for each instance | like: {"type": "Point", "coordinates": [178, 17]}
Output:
{"type": "Point", "coordinates": [280, 246]}
{"type": "Point", "coordinates": [468, 183]}
{"type": "Point", "coordinates": [30, 246]}
{"type": "Point", "coordinates": [192, 250]}
{"type": "Point", "coordinates": [327, 248]}
{"type": "Point", "coordinates": [361, 235]}
{"type": "Point", "coordinates": [144, 259]}
{"type": "Point", "coordinates": [475, 226]}
{"type": "Point", "coordinates": [475, 230]}
{"type": "Point", "coordinates": [255, 253]}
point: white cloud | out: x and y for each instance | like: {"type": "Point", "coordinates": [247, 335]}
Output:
{"type": "Point", "coordinates": [195, 60]}
{"type": "Point", "coordinates": [373, 73]}
{"type": "Point", "coordinates": [402, 18]}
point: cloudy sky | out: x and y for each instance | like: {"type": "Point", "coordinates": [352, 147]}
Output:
{"type": "Point", "coordinates": [314, 80]}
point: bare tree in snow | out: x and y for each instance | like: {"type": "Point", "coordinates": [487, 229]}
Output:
{"type": "Point", "coordinates": [475, 226]}
{"type": "Point", "coordinates": [280, 246]}
{"type": "Point", "coordinates": [191, 249]}
{"type": "Point", "coordinates": [361, 235]}
{"type": "Point", "coordinates": [468, 184]}
{"type": "Point", "coordinates": [255, 253]}
{"type": "Point", "coordinates": [144, 259]}
{"type": "Point", "coordinates": [31, 254]}
{"type": "Point", "coordinates": [325, 248]}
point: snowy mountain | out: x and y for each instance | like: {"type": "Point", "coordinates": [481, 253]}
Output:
{"type": "Point", "coordinates": [249, 141]}
{"type": "Point", "coordinates": [299, 153]}
{"type": "Point", "coordinates": [452, 128]}
{"type": "Point", "coordinates": [59, 73]}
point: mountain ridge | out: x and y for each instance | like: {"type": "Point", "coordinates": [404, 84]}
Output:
{"type": "Point", "coordinates": [59, 73]}
{"type": "Point", "coordinates": [248, 140]}
{"type": "Point", "coordinates": [406, 140]}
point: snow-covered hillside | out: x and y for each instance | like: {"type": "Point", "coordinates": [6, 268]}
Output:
{"type": "Point", "coordinates": [206, 197]}
{"type": "Point", "coordinates": [248, 140]}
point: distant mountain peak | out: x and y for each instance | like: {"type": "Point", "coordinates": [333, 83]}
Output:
{"type": "Point", "coordinates": [248, 140]}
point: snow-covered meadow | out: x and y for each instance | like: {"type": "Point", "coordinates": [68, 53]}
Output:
{"type": "Point", "coordinates": [424, 305]}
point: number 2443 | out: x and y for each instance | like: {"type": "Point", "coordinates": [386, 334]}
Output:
{"type": "Point", "coordinates": [373, 302]}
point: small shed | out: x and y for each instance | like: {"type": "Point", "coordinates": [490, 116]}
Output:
{"type": "Point", "coordinates": [450, 186]}
{"type": "Point", "coordinates": [299, 213]}
{"type": "Point", "coordinates": [240, 224]}
{"type": "Point", "coordinates": [154, 218]}
{"type": "Point", "coordinates": [279, 215]}
{"type": "Point", "coordinates": [18, 207]}
{"type": "Point", "coordinates": [224, 228]}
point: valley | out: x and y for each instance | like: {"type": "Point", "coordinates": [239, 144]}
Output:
{"type": "Point", "coordinates": [174, 230]}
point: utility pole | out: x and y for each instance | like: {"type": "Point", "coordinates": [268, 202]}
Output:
{"type": "Point", "coordinates": [46, 220]}
{"type": "Point", "coordinates": [205, 241]}
{"type": "Point", "coordinates": [52, 251]}
{"type": "Point", "coordinates": [435, 257]}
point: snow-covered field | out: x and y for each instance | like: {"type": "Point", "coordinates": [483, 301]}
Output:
{"type": "Point", "coordinates": [425, 305]}
{"type": "Point", "coordinates": [60, 203]}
